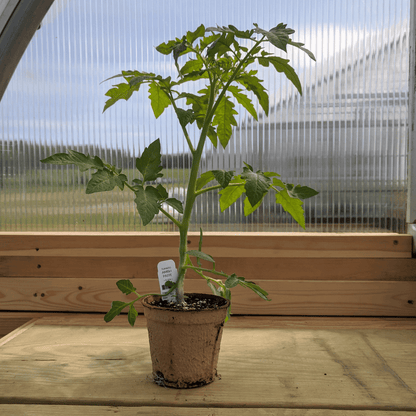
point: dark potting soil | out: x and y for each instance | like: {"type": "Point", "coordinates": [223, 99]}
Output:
{"type": "Point", "coordinates": [192, 303]}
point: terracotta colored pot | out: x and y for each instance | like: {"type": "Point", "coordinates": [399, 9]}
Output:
{"type": "Point", "coordinates": [184, 345]}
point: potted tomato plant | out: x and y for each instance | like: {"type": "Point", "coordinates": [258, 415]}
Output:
{"type": "Point", "coordinates": [185, 332]}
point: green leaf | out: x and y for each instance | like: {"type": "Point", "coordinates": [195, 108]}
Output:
{"type": "Point", "coordinates": [243, 100]}
{"type": "Point", "coordinates": [126, 286]}
{"type": "Point", "coordinates": [137, 81]}
{"type": "Point", "coordinates": [199, 33]}
{"type": "Point", "coordinates": [116, 308]}
{"type": "Point", "coordinates": [191, 66]}
{"type": "Point", "coordinates": [162, 192]}
{"type": "Point", "coordinates": [247, 34]}
{"type": "Point", "coordinates": [277, 36]}
{"type": "Point", "coordinates": [291, 205]}
{"type": "Point", "coordinates": [147, 202]}
{"type": "Point", "coordinates": [252, 83]}
{"type": "Point", "coordinates": [255, 288]}
{"type": "Point", "coordinates": [119, 92]}
{"type": "Point", "coordinates": [230, 194]}
{"type": "Point", "coordinates": [302, 192]}
{"type": "Point", "coordinates": [84, 162]}
{"type": "Point", "coordinates": [281, 65]}
{"type": "Point", "coordinates": [248, 208]}
{"type": "Point", "coordinates": [175, 204]}
{"type": "Point", "coordinates": [231, 281]}
{"type": "Point", "coordinates": [257, 185]}
{"type": "Point", "coordinates": [204, 179]}
{"type": "Point", "coordinates": [149, 163]}
{"type": "Point", "coordinates": [278, 182]}
{"type": "Point", "coordinates": [223, 177]}
{"type": "Point", "coordinates": [213, 288]}
{"type": "Point", "coordinates": [185, 117]}
{"type": "Point", "coordinates": [132, 315]}
{"type": "Point", "coordinates": [103, 181]}
{"type": "Point", "coordinates": [270, 174]}
{"type": "Point", "coordinates": [158, 98]}
{"type": "Point", "coordinates": [300, 46]}
{"type": "Point", "coordinates": [166, 48]}
{"type": "Point", "coordinates": [224, 119]}
{"type": "Point", "coordinates": [212, 135]}
{"type": "Point", "coordinates": [200, 255]}
{"type": "Point", "coordinates": [221, 45]}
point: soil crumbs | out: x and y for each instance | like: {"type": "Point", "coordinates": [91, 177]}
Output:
{"type": "Point", "coordinates": [191, 303]}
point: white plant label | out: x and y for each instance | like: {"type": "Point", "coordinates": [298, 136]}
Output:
{"type": "Point", "coordinates": [166, 271]}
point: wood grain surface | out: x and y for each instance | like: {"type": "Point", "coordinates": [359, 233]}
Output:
{"type": "Point", "coordinates": [304, 273]}
{"type": "Point", "coordinates": [292, 369]}
{"type": "Point", "coordinates": [56, 410]}
{"type": "Point", "coordinates": [287, 297]}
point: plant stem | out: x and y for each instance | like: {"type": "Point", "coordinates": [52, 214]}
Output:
{"type": "Point", "coordinates": [191, 191]}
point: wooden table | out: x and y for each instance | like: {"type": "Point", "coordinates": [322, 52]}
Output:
{"type": "Point", "coordinates": [78, 365]}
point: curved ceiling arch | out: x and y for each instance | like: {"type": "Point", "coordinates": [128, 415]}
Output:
{"type": "Point", "coordinates": [19, 20]}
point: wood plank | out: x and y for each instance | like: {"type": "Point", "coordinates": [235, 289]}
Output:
{"type": "Point", "coordinates": [65, 410]}
{"type": "Point", "coordinates": [250, 268]}
{"type": "Point", "coordinates": [292, 245]}
{"type": "Point", "coordinates": [339, 298]}
{"type": "Point", "coordinates": [236, 321]}
{"type": "Point", "coordinates": [277, 368]}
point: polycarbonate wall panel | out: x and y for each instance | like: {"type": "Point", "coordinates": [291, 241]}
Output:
{"type": "Point", "coordinates": [345, 136]}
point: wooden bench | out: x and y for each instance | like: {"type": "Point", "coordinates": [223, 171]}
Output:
{"type": "Point", "coordinates": [338, 337]}
{"type": "Point", "coordinates": [371, 275]}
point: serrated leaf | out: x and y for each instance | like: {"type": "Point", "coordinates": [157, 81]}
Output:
{"type": "Point", "coordinates": [278, 182]}
{"type": "Point", "coordinates": [149, 163]}
{"type": "Point", "coordinates": [212, 135]}
{"type": "Point", "coordinates": [255, 288]}
{"type": "Point", "coordinates": [126, 286]}
{"type": "Point", "coordinates": [132, 315]}
{"type": "Point", "coordinates": [270, 174]}
{"type": "Point", "coordinates": [221, 46]}
{"type": "Point", "coordinates": [277, 36]}
{"type": "Point", "coordinates": [293, 206]}
{"type": "Point", "coordinates": [185, 117]}
{"type": "Point", "coordinates": [300, 46]}
{"type": "Point", "coordinates": [175, 204]}
{"type": "Point", "coordinates": [198, 33]}
{"type": "Point", "coordinates": [162, 191]}
{"type": "Point", "coordinates": [231, 281]}
{"type": "Point", "coordinates": [224, 119]}
{"type": "Point", "coordinates": [166, 48]}
{"type": "Point", "coordinates": [158, 98]}
{"type": "Point", "coordinates": [231, 193]}
{"type": "Point", "coordinates": [281, 65]}
{"type": "Point", "coordinates": [83, 162]}
{"type": "Point", "coordinates": [119, 92]}
{"type": "Point", "coordinates": [302, 192]}
{"type": "Point", "coordinates": [147, 202]}
{"type": "Point", "coordinates": [116, 308]}
{"type": "Point", "coordinates": [200, 255]}
{"type": "Point", "coordinates": [102, 181]}
{"type": "Point", "coordinates": [223, 177]}
{"type": "Point", "coordinates": [248, 208]}
{"type": "Point", "coordinates": [137, 81]}
{"type": "Point", "coordinates": [252, 83]}
{"type": "Point", "coordinates": [192, 65]}
{"type": "Point", "coordinates": [233, 30]}
{"type": "Point", "coordinates": [257, 185]}
{"type": "Point", "coordinates": [204, 179]}
{"type": "Point", "coordinates": [243, 100]}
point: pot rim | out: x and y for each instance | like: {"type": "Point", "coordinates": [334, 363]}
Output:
{"type": "Point", "coordinates": [145, 303]}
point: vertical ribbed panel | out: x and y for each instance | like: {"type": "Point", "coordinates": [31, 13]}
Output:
{"type": "Point", "coordinates": [345, 136]}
